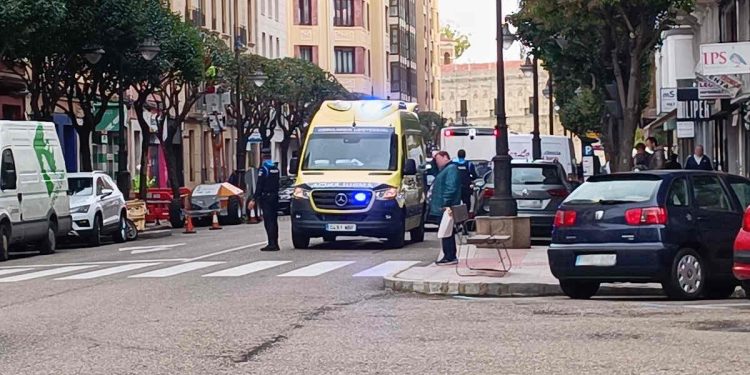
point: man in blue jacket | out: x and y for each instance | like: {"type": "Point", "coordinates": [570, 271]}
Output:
{"type": "Point", "coordinates": [698, 161]}
{"type": "Point", "coordinates": [267, 194]}
{"type": "Point", "coordinates": [467, 173]}
{"type": "Point", "coordinates": [446, 193]}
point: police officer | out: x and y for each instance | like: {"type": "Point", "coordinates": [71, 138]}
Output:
{"type": "Point", "coordinates": [468, 173]}
{"type": "Point", "coordinates": [267, 195]}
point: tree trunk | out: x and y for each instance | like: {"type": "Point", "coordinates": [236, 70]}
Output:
{"type": "Point", "coordinates": [143, 173]}
{"type": "Point", "coordinates": [172, 177]}
{"type": "Point", "coordinates": [284, 153]}
{"type": "Point", "coordinates": [84, 139]}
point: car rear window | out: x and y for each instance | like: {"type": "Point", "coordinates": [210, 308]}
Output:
{"type": "Point", "coordinates": [536, 175]}
{"type": "Point", "coordinates": [532, 175]}
{"type": "Point", "coordinates": [614, 191]}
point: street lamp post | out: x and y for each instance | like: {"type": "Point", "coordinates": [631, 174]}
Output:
{"type": "Point", "coordinates": [502, 202]}
{"type": "Point", "coordinates": [549, 94]}
{"type": "Point", "coordinates": [531, 68]}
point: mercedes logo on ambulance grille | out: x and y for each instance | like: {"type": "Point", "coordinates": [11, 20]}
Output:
{"type": "Point", "coordinates": [341, 199]}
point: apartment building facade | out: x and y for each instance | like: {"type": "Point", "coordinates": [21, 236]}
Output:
{"type": "Point", "coordinates": [704, 61]}
{"type": "Point", "coordinates": [270, 28]}
{"type": "Point", "coordinates": [382, 48]}
{"type": "Point", "coordinates": [477, 85]}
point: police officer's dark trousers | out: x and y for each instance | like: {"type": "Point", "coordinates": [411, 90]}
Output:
{"type": "Point", "coordinates": [269, 205]}
{"type": "Point", "coordinates": [466, 194]}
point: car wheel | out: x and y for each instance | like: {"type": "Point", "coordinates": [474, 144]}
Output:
{"type": "Point", "coordinates": [131, 230]}
{"type": "Point", "coordinates": [300, 240]}
{"type": "Point", "coordinates": [176, 216]}
{"type": "Point", "coordinates": [4, 242]}
{"type": "Point", "coordinates": [120, 235]}
{"type": "Point", "coordinates": [720, 290]}
{"type": "Point", "coordinates": [234, 212]}
{"type": "Point", "coordinates": [417, 234]}
{"type": "Point", "coordinates": [687, 276]}
{"type": "Point", "coordinates": [397, 240]}
{"type": "Point", "coordinates": [95, 239]}
{"type": "Point", "coordinates": [49, 243]}
{"type": "Point", "coordinates": [577, 289]}
{"type": "Point", "coordinates": [746, 287]}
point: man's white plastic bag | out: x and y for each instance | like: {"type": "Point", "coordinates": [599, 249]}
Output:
{"type": "Point", "coordinates": [446, 224]}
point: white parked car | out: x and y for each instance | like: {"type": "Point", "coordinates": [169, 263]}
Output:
{"type": "Point", "coordinates": [98, 207]}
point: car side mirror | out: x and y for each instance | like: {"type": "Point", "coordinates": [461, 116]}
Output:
{"type": "Point", "coordinates": [107, 192]}
{"type": "Point", "coordinates": [293, 166]}
{"type": "Point", "coordinates": [410, 167]}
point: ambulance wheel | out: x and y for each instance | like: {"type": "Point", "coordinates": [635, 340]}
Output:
{"type": "Point", "coordinates": [300, 240]}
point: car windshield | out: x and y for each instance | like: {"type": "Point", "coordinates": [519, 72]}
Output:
{"type": "Point", "coordinates": [351, 148]}
{"type": "Point", "coordinates": [614, 191]}
{"type": "Point", "coordinates": [531, 175]}
{"type": "Point", "coordinates": [81, 186]}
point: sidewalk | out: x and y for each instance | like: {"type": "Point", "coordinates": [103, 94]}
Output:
{"type": "Point", "coordinates": [529, 277]}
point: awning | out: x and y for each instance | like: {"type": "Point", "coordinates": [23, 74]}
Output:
{"type": "Point", "coordinates": [742, 98]}
{"type": "Point", "coordinates": [661, 120]}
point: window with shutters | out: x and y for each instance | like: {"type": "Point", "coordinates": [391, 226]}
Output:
{"type": "Point", "coordinates": [343, 13]}
{"type": "Point", "coordinates": [344, 60]}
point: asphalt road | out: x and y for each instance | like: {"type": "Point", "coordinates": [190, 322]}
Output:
{"type": "Point", "coordinates": [211, 303]}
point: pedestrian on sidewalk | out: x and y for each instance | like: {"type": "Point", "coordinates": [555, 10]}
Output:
{"type": "Point", "coordinates": [673, 163]}
{"type": "Point", "coordinates": [698, 161]}
{"type": "Point", "coordinates": [467, 173]}
{"type": "Point", "coordinates": [267, 195]}
{"type": "Point", "coordinates": [446, 193]}
{"type": "Point", "coordinates": [657, 158]}
{"type": "Point", "coordinates": [640, 160]}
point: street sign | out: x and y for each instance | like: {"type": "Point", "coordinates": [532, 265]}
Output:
{"type": "Point", "coordinates": [685, 129]}
{"type": "Point", "coordinates": [668, 100]}
{"type": "Point", "coordinates": [725, 58]}
{"type": "Point", "coordinates": [718, 87]}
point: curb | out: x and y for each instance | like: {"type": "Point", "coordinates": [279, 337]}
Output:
{"type": "Point", "coordinates": [153, 234]}
{"type": "Point", "coordinates": [499, 289]}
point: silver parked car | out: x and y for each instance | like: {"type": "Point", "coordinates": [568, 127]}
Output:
{"type": "Point", "coordinates": [538, 187]}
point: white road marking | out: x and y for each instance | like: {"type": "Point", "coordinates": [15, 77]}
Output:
{"type": "Point", "coordinates": [107, 271]}
{"type": "Point", "coordinates": [150, 249]}
{"type": "Point", "coordinates": [38, 274]}
{"type": "Point", "coordinates": [98, 263]}
{"type": "Point", "coordinates": [249, 268]}
{"type": "Point", "coordinates": [226, 251]}
{"type": "Point", "coordinates": [386, 268]}
{"type": "Point", "coordinates": [316, 269]}
{"type": "Point", "coordinates": [13, 270]}
{"type": "Point", "coordinates": [176, 270]}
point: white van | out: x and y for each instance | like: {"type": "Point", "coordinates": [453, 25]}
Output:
{"type": "Point", "coordinates": [34, 203]}
{"type": "Point", "coordinates": [557, 148]}
{"type": "Point", "coordinates": [479, 144]}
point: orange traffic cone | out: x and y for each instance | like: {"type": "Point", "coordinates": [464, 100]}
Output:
{"type": "Point", "coordinates": [189, 229]}
{"type": "Point", "coordinates": [215, 222]}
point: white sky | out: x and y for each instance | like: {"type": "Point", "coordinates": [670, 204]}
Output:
{"type": "Point", "coordinates": [477, 19]}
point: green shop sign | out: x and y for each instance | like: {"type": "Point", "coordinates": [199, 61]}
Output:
{"type": "Point", "coordinates": [110, 120]}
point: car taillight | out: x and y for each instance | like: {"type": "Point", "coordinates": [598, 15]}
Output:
{"type": "Point", "coordinates": [489, 192]}
{"type": "Point", "coordinates": [558, 193]}
{"type": "Point", "coordinates": [496, 132]}
{"type": "Point", "coordinates": [746, 221]}
{"type": "Point", "coordinates": [644, 216]}
{"type": "Point", "coordinates": [565, 218]}
{"type": "Point", "coordinates": [448, 133]}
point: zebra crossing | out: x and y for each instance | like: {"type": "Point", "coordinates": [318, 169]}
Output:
{"type": "Point", "coordinates": [204, 269]}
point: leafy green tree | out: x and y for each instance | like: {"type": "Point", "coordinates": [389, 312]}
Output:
{"type": "Point", "coordinates": [590, 44]}
{"type": "Point", "coordinates": [33, 47]}
{"type": "Point", "coordinates": [432, 124]}
{"type": "Point", "coordinates": [461, 39]}
{"type": "Point", "coordinates": [180, 62]}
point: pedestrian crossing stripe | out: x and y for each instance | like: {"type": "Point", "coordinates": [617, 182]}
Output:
{"type": "Point", "coordinates": [164, 270]}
